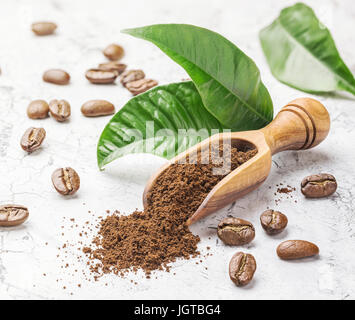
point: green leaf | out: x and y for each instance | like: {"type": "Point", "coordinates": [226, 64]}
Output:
{"type": "Point", "coordinates": [227, 79]}
{"type": "Point", "coordinates": [302, 54]}
{"type": "Point", "coordinates": [171, 107]}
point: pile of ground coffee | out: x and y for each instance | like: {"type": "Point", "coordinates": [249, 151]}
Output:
{"type": "Point", "coordinates": [151, 239]}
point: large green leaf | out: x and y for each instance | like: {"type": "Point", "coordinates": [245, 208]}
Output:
{"type": "Point", "coordinates": [227, 79]}
{"type": "Point", "coordinates": [171, 107]}
{"type": "Point", "coordinates": [302, 54]}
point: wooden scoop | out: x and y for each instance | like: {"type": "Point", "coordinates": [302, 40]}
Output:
{"type": "Point", "coordinates": [302, 124]}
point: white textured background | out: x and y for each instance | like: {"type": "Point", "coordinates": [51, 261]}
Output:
{"type": "Point", "coordinates": [85, 27]}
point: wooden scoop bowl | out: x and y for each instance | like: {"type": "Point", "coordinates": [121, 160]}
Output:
{"type": "Point", "coordinates": [302, 124]}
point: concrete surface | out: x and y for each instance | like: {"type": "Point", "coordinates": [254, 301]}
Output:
{"type": "Point", "coordinates": [85, 28]}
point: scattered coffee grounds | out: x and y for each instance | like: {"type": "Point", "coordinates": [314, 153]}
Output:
{"type": "Point", "coordinates": [283, 190]}
{"type": "Point", "coordinates": [287, 189]}
{"type": "Point", "coordinates": [151, 239]}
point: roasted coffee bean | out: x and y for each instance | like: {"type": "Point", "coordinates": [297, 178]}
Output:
{"type": "Point", "coordinates": [319, 185]}
{"type": "Point", "coordinates": [140, 86]}
{"type": "Point", "coordinates": [32, 139]}
{"type": "Point", "coordinates": [59, 109]}
{"type": "Point", "coordinates": [242, 268]}
{"type": "Point", "coordinates": [235, 232]}
{"type": "Point", "coordinates": [66, 181]}
{"type": "Point", "coordinates": [56, 76]}
{"type": "Point", "coordinates": [131, 75]}
{"type": "Point", "coordinates": [12, 215]}
{"type": "Point", "coordinates": [273, 222]}
{"type": "Point", "coordinates": [38, 109]}
{"type": "Point", "coordinates": [43, 28]}
{"type": "Point", "coordinates": [99, 76]}
{"type": "Point", "coordinates": [113, 52]}
{"type": "Point", "coordinates": [95, 108]}
{"type": "Point", "coordinates": [296, 249]}
{"type": "Point", "coordinates": [113, 66]}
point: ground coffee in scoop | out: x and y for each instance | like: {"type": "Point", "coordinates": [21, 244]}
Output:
{"type": "Point", "coordinates": [151, 239]}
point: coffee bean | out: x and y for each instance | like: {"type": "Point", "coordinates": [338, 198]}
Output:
{"type": "Point", "coordinates": [95, 108]}
{"type": "Point", "coordinates": [38, 109]}
{"type": "Point", "coordinates": [56, 76]}
{"type": "Point", "coordinates": [12, 215]}
{"type": "Point", "coordinates": [296, 249]}
{"type": "Point", "coordinates": [66, 181]}
{"type": "Point", "coordinates": [140, 86]}
{"type": "Point", "coordinates": [99, 76]}
{"type": "Point", "coordinates": [43, 28]}
{"type": "Point", "coordinates": [242, 268]}
{"type": "Point", "coordinates": [131, 75]}
{"type": "Point", "coordinates": [113, 66]}
{"type": "Point", "coordinates": [319, 185]}
{"type": "Point", "coordinates": [59, 109]}
{"type": "Point", "coordinates": [32, 139]}
{"type": "Point", "coordinates": [235, 232]}
{"type": "Point", "coordinates": [273, 222]}
{"type": "Point", "coordinates": [113, 52]}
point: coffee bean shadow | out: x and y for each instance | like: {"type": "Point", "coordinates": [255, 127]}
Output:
{"type": "Point", "coordinates": [249, 246]}
{"type": "Point", "coordinates": [52, 35]}
{"type": "Point", "coordinates": [333, 197]}
{"type": "Point", "coordinates": [280, 236]}
{"type": "Point", "coordinates": [105, 84]}
{"type": "Point", "coordinates": [249, 286]}
{"type": "Point", "coordinates": [304, 260]}
{"type": "Point", "coordinates": [35, 153]}
{"type": "Point", "coordinates": [70, 197]}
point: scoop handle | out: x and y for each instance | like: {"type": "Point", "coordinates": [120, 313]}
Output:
{"type": "Point", "coordinates": [301, 124]}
